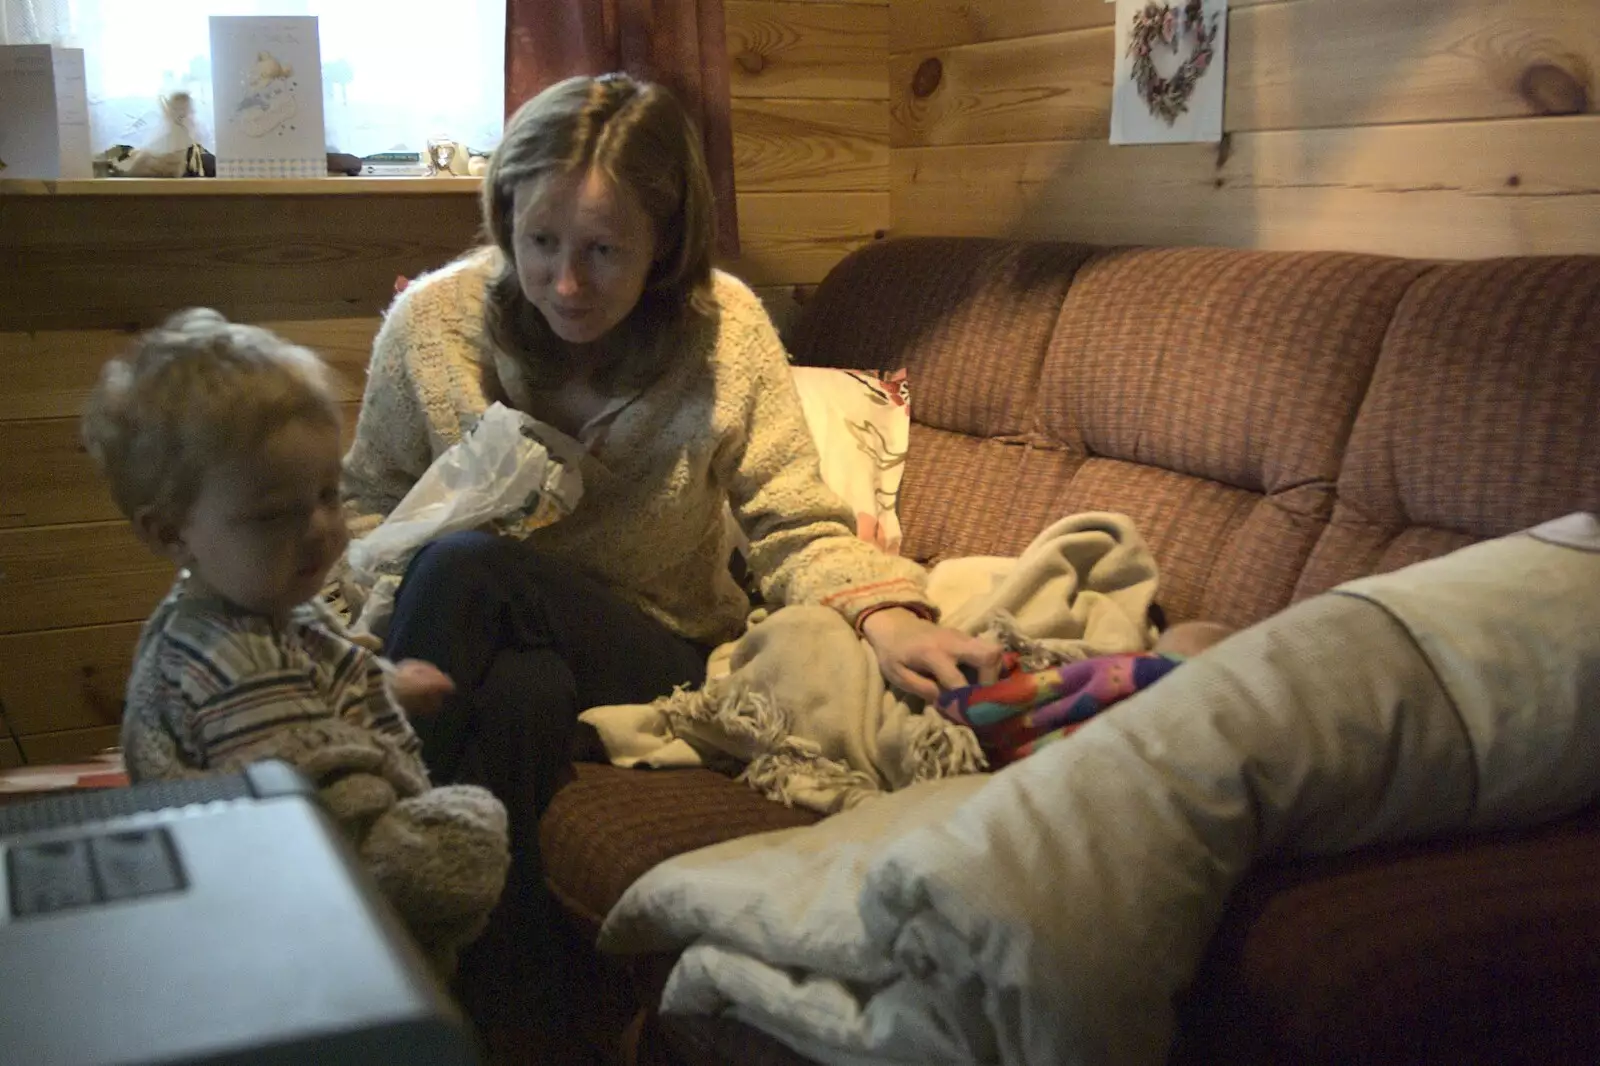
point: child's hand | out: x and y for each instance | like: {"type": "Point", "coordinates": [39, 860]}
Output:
{"type": "Point", "coordinates": [419, 687]}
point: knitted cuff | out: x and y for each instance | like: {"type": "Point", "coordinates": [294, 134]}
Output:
{"type": "Point", "coordinates": [921, 610]}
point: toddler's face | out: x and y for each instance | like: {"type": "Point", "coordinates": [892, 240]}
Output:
{"type": "Point", "coordinates": [265, 529]}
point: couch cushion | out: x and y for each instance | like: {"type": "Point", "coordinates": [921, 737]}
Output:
{"type": "Point", "coordinates": [969, 320]}
{"type": "Point", "coordinates": [607, 826]}
{"type": "Point", "coordinates": [1481, 419]}
{"type": "Point", "coordinates": [1211, 392]}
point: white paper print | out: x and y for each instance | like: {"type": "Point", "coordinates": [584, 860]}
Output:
{"type": "Point", "coordinates": [266, 77]}
{"type": "Point", "coordinates": [1170, 71]}
{"type": "Point", "coordinates": [44, 113]}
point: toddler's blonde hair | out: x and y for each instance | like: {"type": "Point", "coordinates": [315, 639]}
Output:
{"type": "Point", "coordinates": [196, 391]}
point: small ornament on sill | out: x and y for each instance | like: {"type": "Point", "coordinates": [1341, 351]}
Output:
{"type": "Point", "coordinates": [1169, 71]}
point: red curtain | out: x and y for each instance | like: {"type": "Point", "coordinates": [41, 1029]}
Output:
{"type": "Point", "coordinates": [679, 43]}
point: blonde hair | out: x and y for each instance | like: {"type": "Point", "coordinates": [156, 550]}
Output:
{"type": "Point", "coordinates": [639, 136]}
{"type": "Point", "coordinates": [195, 391]}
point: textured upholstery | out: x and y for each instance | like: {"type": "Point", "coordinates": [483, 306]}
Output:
{"type": "Point", "coordinates": [1481, 418]}
{"type": "Point", "coordinates": [1275, 424]}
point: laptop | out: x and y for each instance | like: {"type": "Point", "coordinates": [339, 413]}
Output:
{"type": "Point", "coordinates": [220, 920]}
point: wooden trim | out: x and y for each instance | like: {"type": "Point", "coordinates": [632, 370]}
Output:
{"type": "Point", "coordinates": [334, 185]}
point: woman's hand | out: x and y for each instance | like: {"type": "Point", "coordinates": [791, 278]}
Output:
{"type": "Point", "coordinates": [419, 687]}
{"type": "Point", "coordinates": [921, 658]}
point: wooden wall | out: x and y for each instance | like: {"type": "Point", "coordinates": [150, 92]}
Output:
{"type": "Point", "coordinates": [1453, 128]}
{"type": "Point", "coordinates": [810, 137]}
{"type": "Point", "coordinates": [79, 272]}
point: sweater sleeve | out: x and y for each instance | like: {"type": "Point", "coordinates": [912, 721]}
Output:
{"type": "Point", "coordinates": [803, 548]}
{"type": "Point", "coordinates": [390, 450]}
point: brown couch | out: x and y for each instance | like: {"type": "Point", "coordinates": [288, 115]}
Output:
{"type": "Point", "coordinates": [1275, 424]}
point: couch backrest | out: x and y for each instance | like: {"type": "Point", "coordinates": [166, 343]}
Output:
{"type": "Point", "coordinates": [1275, 423]}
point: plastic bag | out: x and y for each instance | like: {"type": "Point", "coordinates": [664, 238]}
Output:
{"type": "Point", "coordinates": [501, 474]}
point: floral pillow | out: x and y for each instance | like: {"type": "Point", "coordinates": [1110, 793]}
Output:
{"type": "Point", "coordinates": [861, 422]}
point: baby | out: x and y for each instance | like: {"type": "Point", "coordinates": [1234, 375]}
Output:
{"type": "Point", "coordinates": [220, 443]}
{"type": "Point", "coordinates": [1026, 710]}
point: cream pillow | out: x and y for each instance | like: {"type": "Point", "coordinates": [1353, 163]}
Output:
{"type": "Point", "coordinates": [861, 422]}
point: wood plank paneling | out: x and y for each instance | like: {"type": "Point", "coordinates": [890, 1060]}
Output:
{"type": "Point", "coordinates": [10, 755]}
{"type": "Point", "coordinates": [809, 50]}
{"type": "Point", "coordinates": [48, 374]}
{"type": "Point", "coordinates": [1312, 63]}
{"type": "Point", "coordinates": [1448, 190]}
{"type": "Point", "coordinates": [120, 261]}
{"type": "Point", "coordinates": [1035, 88]}
{"type": "Point", "coordinates": [1319, 63]}
{"type": "Point", "coordinates": [796, 238]}
{"type": "Point", "coordinates": [66, 678]}
{"type": "Point", "coordinates": [47, 477]}
{"type": "Point", "coordinates": [921, 25]}
{"type": "Point", "coordinates": [72, 745]}
{"type": "Point", "coordinates": [810, 145]}
{"type": "Point", "coordinates": [58, 576]}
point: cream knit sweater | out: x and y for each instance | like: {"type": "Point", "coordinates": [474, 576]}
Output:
{"type": "Point", "coordinates": [723, 426]}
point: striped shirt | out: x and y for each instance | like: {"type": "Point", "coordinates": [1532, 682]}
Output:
{"type": "Point", "coordinates": [211, 682]}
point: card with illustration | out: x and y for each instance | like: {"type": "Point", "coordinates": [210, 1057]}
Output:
{"type": "Point", "coordinates": [266, 84]}
{"type": "Point", "coordinates": [1170, 70]}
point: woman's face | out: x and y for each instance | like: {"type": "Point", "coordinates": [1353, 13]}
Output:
{"type": "Point", "coordinates": [584, 247]}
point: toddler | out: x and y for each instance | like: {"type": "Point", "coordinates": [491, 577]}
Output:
{"type": "Point", "coordinates": [220, 442]}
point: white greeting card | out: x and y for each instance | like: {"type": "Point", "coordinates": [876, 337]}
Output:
{"type": "Point", "coordinates": [44, 127]}
{"type": "Point", "coordinates": [266, 82]}
{"type": "Point", "coordinates": [1170, 71]}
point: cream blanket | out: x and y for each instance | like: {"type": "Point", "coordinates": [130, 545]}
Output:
{"type": "Point", "coordinates": [800, 703]}
{"type": "Point", "coordinates": [1052, 913]}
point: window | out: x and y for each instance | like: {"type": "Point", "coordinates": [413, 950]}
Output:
{"type": "Point", "coordinates": [394, 72]}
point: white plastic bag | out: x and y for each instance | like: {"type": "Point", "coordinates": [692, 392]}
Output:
{"type": "Point", "coordinates": [501, 474]}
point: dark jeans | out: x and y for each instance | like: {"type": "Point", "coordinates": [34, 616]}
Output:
{"type": "Point", "coordinates": [530, 643]}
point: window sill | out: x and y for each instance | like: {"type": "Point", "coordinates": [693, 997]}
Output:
{"type": "Point", "coordinates": [329, 186]}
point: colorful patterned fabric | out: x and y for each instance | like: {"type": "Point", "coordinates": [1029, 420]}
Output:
{"type": "Point", "coordinates": [1023, 712]}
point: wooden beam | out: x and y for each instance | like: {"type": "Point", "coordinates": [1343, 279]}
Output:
{"type": "Point", "coordinates": [807, 50]}
{"type": "Point", "coordinates": [1448, 189]}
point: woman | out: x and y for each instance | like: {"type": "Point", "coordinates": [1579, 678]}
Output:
{"type": "Point", "coordinates": [597, 311]}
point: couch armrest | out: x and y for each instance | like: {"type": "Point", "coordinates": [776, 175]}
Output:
{"type": "Point", "coordinates": [1484, 949]}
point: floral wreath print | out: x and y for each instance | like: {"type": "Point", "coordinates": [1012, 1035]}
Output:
{"type": "Point", "coordinates": [1163, 25]}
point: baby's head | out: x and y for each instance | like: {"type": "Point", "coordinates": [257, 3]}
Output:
{"type": "Point", "coordinates": [220, 442]}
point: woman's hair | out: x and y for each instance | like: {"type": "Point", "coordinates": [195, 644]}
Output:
{"type": "Point", "coordinates": [639, 137]}
{"type": "Point", "coordinates": [197, 391]}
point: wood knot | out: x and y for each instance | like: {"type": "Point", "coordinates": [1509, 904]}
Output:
{"type": "Point", "coordinates": [1553, 90]}
{"type": "Point", "coordinates": [751, 62]}
{"type": "Point", "coordinates": [1514, 181]}
{"type": "Point", "coordinates": [930, 72]}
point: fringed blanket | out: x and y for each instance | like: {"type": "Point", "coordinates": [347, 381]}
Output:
{"type": "Point", "coordinates": [1052, 914]}
{"type": "Point", "coordinates": [800, 703]}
